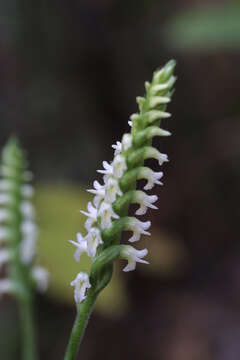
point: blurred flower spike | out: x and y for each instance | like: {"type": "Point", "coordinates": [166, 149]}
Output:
{"type": "Point", "coordinates": [107, 216]}
{"type": "Point", "coordinates": [18, 230]}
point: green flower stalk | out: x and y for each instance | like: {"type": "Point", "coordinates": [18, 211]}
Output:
{"type": "Point", "coordinates": [18, 236]}
{"type": "Point", "coordinates": [107, 216]}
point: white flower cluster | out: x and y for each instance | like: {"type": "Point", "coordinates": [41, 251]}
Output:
{"type": "Point", "coordinates": [100, 214]}
{"type": "Point", "coordinates": [18, 231]}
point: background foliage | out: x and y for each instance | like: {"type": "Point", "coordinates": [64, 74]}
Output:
{"type": "Point", "coordinates": [70, 72]}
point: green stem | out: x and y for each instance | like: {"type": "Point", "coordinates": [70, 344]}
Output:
{"type": "Point", "coordinates": [29, 351]}
{"type": "Point", "coordinates": [83, 313]}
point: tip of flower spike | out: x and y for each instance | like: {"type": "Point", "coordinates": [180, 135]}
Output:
{"type": "Point", "coordinates": [165, 72]}
{"type": "Point", "coordinates": [170, 65]}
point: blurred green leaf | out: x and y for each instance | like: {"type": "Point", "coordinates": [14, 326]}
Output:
{"type": "Point", "coordinates": [206, 28]}
{"type": "Point", "coordinates": [59, 220]}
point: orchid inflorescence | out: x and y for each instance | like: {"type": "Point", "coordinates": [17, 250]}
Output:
{"type": "Point", "coordinates": [18, 230]}
{"type": "Point", "coordinates": [107, 216]}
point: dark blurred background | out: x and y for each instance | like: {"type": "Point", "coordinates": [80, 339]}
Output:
{"type": "Point", "coordinates": [69, 75]}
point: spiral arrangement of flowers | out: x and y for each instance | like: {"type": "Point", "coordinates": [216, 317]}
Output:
{"type": "Point", "coordinates": [18, 230]}
{"type": "Point", "coordinates": [107, 216]}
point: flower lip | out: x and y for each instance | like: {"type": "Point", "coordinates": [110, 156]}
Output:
{"type": "Point", "coordinates": [93, 240]}
{"type": "Point", "coordinates": [81, 284]}
{"type": "Point", "coordinates": [138, 228]}
{"type": "Point", "coordinates": [81, 245]}
{"type": "Point", "coordinates": [106, 214]}
{"type": "Point", "coordinates": [133, 256]}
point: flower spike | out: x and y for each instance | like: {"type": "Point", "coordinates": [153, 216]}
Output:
{"type": "Point", "coordinates": [18, 230]}
{"type": "Point", "coordinates": [108, 217]}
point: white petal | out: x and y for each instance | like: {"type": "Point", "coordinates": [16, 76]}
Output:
{"type": "Point", "coordinates": [7, 185]}
{"type": "Point", "coordinates": [81, 245]}
{"type": "Point", "coordinates": [112, 190]}
{"type": "Point", "coordinates": [29, 228]}
{"type": "Point", "coordinates": [93, 240]}
{"type": "Point", "coordinates": [108, 170]}
{"type": "Point", "coordinates": [28, 249]}
{"type": "Point", "coordinates": [41, 276]}
{"type": "Point", "coordinates": [5, 215]}
{"type": "Point", "coordinates": [27, 191]}
{"type": "Point", "coordinates": [81, 284]}
{"type": "Point", "coordinates": [27, 210]}
{"type": "Point", "coordinates": [5, 234]}
{"type": "Point", "coordinates": [117, 148]}
{"type": "Point", "coordinates": [153, 178]}
{"type": "Point", "coordinates": [106, 213]}
{"type": "Point", "coordinates": [133, 256]}
{"type": "Point", "coordinates": [138, 227]}
{"type": "Point", "coordinates": [145, 201]}
{"type": "Point", "coordinates": [119, 166]}
{"type": "Point", "coordinates": [5, 199]}
{"type": "Point", "coordinates": [127, 141]}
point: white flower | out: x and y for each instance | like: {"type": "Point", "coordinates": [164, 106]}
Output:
{"type": "Point", "coordinates": [41, 277]}
{"type": "Point", "coordinates": [8, 172]}
{"type": "Point", "coordinates": [137, 227]}
{"type": "Point", "coordinates": [151, 177]}
{"type": "Point", "coordinates": [127, 141]}
{"type": "Point", "coordinates": [117, 147]}
{"type": "Point", "coordinates": [130, 123]}
{"type": "Point", "coordinates": [5, 215]}
{"type": "Point", "coordinates": [106, 213]}
{"type": "Point", "coordinates": [81, 284]}
{"type": "Point", "coordinates": [91, 214]}
{"type": "Point", "coordinates": [93, 240]}
{"type": "Point", "coordinates": [28, 249]}
{"type": "Point", "coordinates": [29, 229]}
{"type": "Point", "coordinates": [111, 190]}
{"type": "Point", "coordinates": [133, 256]}
{"type": "Point", "coordinates": [5, 234]}
{"type": "Point", "coordinates": [162, 158]}
{"type": "Point", "coordinates": [108, 169]}
{"type": "Point", "coordinates": [27, 210]}
{"type": "Point", "coordinates": [5, 199]}
{"type": "Point", "coordinates": [81, 245]}
{"type": "Point", "coordinates": [6, 185]}
{"type": "Point", "coordinates": [99, 191]}
{"type": "Point", "coordinates": [119, 166]}
{"type": "Point", "coordinates": [6, 286]}
{"type": "Point", "coordinates": [5, 256]}
{"type": "Point", "coordinates": [144, 201]}
{"type": "Point", "coordinates": [27, 191]}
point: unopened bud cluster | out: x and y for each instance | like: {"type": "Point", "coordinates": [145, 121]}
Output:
{"type": "Point", "coordinates": [107, 216]}
{"type": "Point", "coordinates": [18, 230]}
